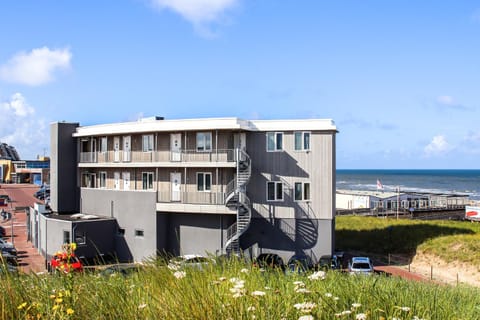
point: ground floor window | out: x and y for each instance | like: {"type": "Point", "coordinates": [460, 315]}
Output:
{"type": "Point", "coordinates": [274, 191]}
{"type": "Point", "coordinates": [139, 233]}
{"type": "Point", "coordinates": [302, 191]}
{"type": "Point", "coordinates": [66, 236]}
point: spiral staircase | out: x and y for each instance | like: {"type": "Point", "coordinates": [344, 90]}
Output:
{"type": "Point", "coordinates": [236, 198]}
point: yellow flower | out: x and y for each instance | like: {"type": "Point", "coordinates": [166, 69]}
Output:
{"type": "Point", "coordinates": [55, 307]}
{"type": "Point", "coordinates": [52, 296]}
{"type": "Point", "coordinates": [70, 311]}
{"type": "Point", "coordinates": [21, 306]}
{"type": "Point", "coordinates": [73, 246]}
{"type": "Point", "coordinates": [58, 300]}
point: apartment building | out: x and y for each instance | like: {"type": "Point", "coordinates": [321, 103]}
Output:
{"type": "Point", "coordinates": [217, 186]}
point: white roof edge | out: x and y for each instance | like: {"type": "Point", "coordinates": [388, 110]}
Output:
{"type": "Point", "coordinates": [176, 125]}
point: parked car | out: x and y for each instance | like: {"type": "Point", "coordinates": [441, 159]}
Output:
{"type": "Point", "coordinates": [300, 263]}
{"type": "Point", "coordinates": [7, 247]}
{"type": "Point", "coordinates": [190, 261]}
{"type": "Point", "coordinates": [328, 262]}
{"type": "Point", "coordinates": [269, 261]}
{"type": "Point", "coordinates": [42, 192]}
{"type": "Point", "coordinates": [360, 265]}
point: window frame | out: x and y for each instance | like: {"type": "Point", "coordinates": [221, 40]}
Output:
{"type": "Point", "coordinates": [305, 192]}
{"type": "Point", "coordinates": [303, 140]}
{"type": "Point", "coordinates": [102, 176]}
{"type": "Point", "coordinates": [276, 185]}
{"type": "Point", "coordinates": [148, 174]}
{"type": "Point", "coordinates": [147, 142]}
{"type": "Point", "coordinates": [276, 135]}
{"type": "Point", "coordinates": [103, 144]}
{"type": "Point", "coordinates": [66, 236]}
{"type": "Point", "coordinates": [204, 141]}
{"type": "Point", "coordinates": [139, 233]}
{"type": "Point", "coordinates": [204, 182]}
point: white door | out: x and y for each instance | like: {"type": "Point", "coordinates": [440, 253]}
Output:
{"type": "Point", "coordinates": [116, 180]}
{"type": "Point", "coordinates": [126, 180]}
{"type": "Point", "coordinates": [176, 146]}
{"type": "Point", "coordinates": [126, 148]}
{"type": "Point", "coordinates": [94, 150]}
{"type": "Point", "coordinates": [116, 149]}
{"type": "Point", "coordinates": [176, 181]}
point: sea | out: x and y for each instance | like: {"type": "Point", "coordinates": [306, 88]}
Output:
{"type": "Point", "coordinates": [433, 181]}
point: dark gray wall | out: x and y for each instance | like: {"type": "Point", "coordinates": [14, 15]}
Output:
{"type": "Point", "coordinates": [64, 189]}
{"type": "Point", "coordinates": [134, 210]}
{"type": "Point", "coordinates": [100, 237]}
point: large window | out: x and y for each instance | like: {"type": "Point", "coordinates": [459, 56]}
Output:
{"type": "Point", "coordinates": [147, 142]}
{"type": "Point", "coordinates": [204, 181]}
{"type": "Point", "coordinates": [204, 141]}
{"type": "Point", "coordinates": [302, 141]}
{"type": "Point", "coordinates": [103, 144]}
{"type": "Point", "coordinates": [274, 191]}
{"type": "Point", "coordinates": [103, 179]}
{"type": "Point", "coordinates": [80, 238]}
{"type": "Point", "coordinates": [274, 141]}
{"type": "Point", "coordinates": [302, 191]}
{"type": "Point", "coordinates": [147, 180]}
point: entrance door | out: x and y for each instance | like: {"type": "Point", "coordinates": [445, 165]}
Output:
{"type": "Point", "coordinates": [176, 180]}
{"type": "Point", "coordinates": [94, 150]}
{"type": "Point", "coordinates": [176, 147]}
{"type": "Point", "coordinates": [126, 180]}
{"type": "Point", "coordinates": [116, 180]}
{"type": "Point", "coordinates": [116, 149]}
{"type": "Point", "coordinates": [126, 149]}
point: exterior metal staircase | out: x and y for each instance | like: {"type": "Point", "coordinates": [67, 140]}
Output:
{"type": "Point", "coordinates": [236, 198]}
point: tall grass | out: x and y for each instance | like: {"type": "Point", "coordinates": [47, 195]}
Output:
{"type": "Point", "coordinates": [230, 290]}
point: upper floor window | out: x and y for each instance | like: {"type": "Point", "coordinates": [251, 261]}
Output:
{"type": "Point", "coordinates": [302, 141]}
{"type": "Point", "coordinates": [302, 191]}
{"type": "Point", "coordinates": [204, 181]}
{"type": "Point", "coordinates": [204, 141]}
{"type": "Point", "coordinates": [274, 191]}
{"type": "Point", "coordinates": [103, 144]}
{"type": "Point", "coordinates": [103, 179]}
{"type": "Point", "coordinates": [147, 142]}
{"type": "Point", "coordinates": [147, 180]}
{"type": "Point", "coordinates": [274, 141]}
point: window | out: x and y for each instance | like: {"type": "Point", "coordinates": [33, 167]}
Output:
{"type": "Point", "coordinates": [138, 233]}
{"type": "Point", "coordinates": [66, 236]}
{"type": "Point", "coordinates": [302, 191]}
{"type": "Point", "coordinates": [302, 141]}
{"type": "Point", "coordinates": [274, 191]}
{"type": "Point", "coordinates": [204, 141]}
{"type": "Point", "coordinates": [147, 180]}
{"type": "Point", "coordinates": [274, 141]}
{"type": "Point", "coordinates": [103, 144]}
{"type": "Point", "coordinates": [204, 181]}
{"type": "Point", "coordinates": [147, 142]}
{"type": "Point", "coordinates": [103, 179]}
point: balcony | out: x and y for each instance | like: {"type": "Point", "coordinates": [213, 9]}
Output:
{"type": "Point", "coordinates": [182, 156]}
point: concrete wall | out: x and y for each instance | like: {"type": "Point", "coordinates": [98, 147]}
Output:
{"type": "Point", "coordinates": [134, 211]}
{"type": "Point", "coordinates": [64, 191]}
{"type": "Point", "coordinates": [99, 235]}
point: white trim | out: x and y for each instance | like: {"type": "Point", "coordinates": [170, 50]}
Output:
{"type": "Point", "coordinates": [302, 143]}
{"type": "Point", "coordinates": [302, 191]}
{"type": "Point", "coordinates": [275, 183]}
{"type": "Point", "coordinates": [204, 175]}
{"type": "Point", "coordinates": [275, 136]}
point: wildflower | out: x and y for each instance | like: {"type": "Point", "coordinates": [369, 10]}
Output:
{"type": "Point", "coordinates": [356, 305]}
{"type": "Point", "coordinates": [179, 274]}
{"type": "Point", "coordinates": [52, 296]}
{"type": "Point", "coordinates": [317, 275]}
{"type": "Point", "coordinates": [233, 280]}
{"type": "Point", "coordinates": [336, 298]}
{"type": "Point", "coordinates": [306, 317]}
{"type": "Point", "coordinates": [258, 293]}
{"type": "Point", "coordinates": [405, 309]}
{"type": "Point", "coordinates": [244, 270]}
{"type": "Point", "coordinates": [238, 295]}
{"type": "Point", "coordinates": [268, 288]}
{"type": "Point", "coordinates": [328, 295]}
{"type": "Point", "coordinates": [59, 300]}
{"type": "Point", "coordinates": [261, 270]}
{"type": "Point", "coordinates": [299, 283]}
{"type": "Point", "coordinates": [21, 306]}
{"type": "Point", "coordinates": [346, 312]}
{"type": "Point", "coordinates": [305, 307]}
{"type": "Point", "coordinates": [222, 279]}
{"type": "Point", "coordinates": [70, 311]}
{"type": "Point", "coordinates": [55, 307]}
{"type": "Point", "coordinates": [239, 284]}
{"type": "Point", "coordinates": [142, 306]}
{"type": "Point", "coordinates": [251, 308]}
{"type": "Point", "coordinates": [361, 316]}
{"type": "Point", "coordinates": [302, 290]}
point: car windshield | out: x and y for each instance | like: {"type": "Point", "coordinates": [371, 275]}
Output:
{"type": "Point", "coordinates": [361, 265]}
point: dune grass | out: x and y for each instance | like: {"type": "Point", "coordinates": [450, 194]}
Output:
{"type": "Point", "coordinates": [230, 290]}
{"type": "Point", "coordinates": [449, 240]}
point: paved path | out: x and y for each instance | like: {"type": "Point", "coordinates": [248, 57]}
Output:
{"type": "Point", "coordinates": [21, 197]}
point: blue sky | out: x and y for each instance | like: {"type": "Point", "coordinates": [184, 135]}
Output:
{"type": "Point", "coordinates": [401, 79]}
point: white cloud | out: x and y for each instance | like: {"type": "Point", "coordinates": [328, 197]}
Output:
{"type": "Point", "coordinates": [36, 67]}
{"type": "Point", "coordinates": [199, 12]}
{"type": "Point", "coordinates": [448, 102]}
{"type": "Point", "coordinates": [20, 127]}
{"type": "Point", "coordinates": [437, 146]}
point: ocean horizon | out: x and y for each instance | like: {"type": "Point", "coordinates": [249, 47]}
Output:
{"type": "Point", "coordinates": [458, 181]}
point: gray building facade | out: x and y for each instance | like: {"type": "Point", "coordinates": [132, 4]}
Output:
{"type": "Point", "coordinates": [221, 185]}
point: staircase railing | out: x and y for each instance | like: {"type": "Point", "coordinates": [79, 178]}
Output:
{"type": "Point", "coordinates": [236, 197]}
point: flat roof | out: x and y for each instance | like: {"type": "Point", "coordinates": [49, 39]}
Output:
{"type": "Point", "coordinates": [388, 194]}
{"type": "Point", "coordinates": [78, 217]}
{"type": "Point", "coordinates": [159, 125]}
